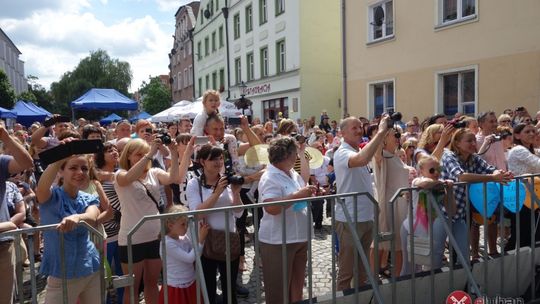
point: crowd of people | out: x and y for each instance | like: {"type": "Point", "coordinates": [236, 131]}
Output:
{"type": "Point", "coordinates": [146, 169]}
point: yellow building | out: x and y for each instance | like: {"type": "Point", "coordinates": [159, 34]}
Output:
{"type": "Point", "coordinates": [441, 56]}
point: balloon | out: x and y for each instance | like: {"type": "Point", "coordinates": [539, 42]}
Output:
{"type": "Point", "coordinates": [509, 196]}
{"type": "Point", "coordinates": [476, 195]}
{"type": "Point", "coordinates": [536, 186]}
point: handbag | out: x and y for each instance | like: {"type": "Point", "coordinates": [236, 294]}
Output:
{"type": "Point", "coordinates": [215, 245]}
{"type": "Point", "coordinates": [158, 205]}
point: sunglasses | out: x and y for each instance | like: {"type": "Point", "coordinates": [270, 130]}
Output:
{"type": "Point", "coordinates": [432, 170]}
{"type": "Point", "coordinates": [411, 147]}
{"type": "Point", "coordinates": [506, 121]}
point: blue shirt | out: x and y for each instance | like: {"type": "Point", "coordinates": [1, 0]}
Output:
{"type": "Point", "coordinates": [4, 175]}
{"type": "Point", "coordinates": [80, 254]}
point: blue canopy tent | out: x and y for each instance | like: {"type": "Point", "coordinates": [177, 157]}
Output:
{"type": "Point", "coordinates": [111, 118]}
{"type": "Point", "coordinates": [142, 115]}
{"type": "Point", "coordinates": [27, 113]}
{"type": "Point", "coordinates": [103, 99]}
{"type": "Point", "coordinates": [5, 113]}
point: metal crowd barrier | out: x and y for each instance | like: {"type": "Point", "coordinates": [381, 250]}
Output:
{"type": "Point", "coordinates": [361, 256]}
{"type": "Point", "coordinates": [30, 232]}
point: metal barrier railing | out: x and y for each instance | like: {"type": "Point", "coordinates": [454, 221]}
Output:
{"type": "Point", "coordinates": [256, 209]}
{"type": "Point", "coordinates": [30, 232]}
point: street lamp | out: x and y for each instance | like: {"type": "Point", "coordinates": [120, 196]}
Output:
{"type": "Point", "coordinates": [242, 103]}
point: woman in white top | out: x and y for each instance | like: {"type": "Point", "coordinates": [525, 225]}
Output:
{"type": "Point", "coordinates": [212, 190]}
{"type": "Point", "coordinates": [281, 182]}
{"type": "Point", "coordinates": [137, 185]}
{"type": "Point", "coordinates": [523, 160]}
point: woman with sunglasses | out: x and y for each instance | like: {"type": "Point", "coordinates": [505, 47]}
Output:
{"type": "Point", "coordinates": [409, 146]}
{"type": "Point", "coordinates": [433, 141]}
{"type": "Point", "coordinates": [390, 174]}
{"type": "Point", "coordinates": [212, 190]}
{"type": "Point", "coordinates": [523, 160]}
{"type": "Point", "coordinates": [461, 164]}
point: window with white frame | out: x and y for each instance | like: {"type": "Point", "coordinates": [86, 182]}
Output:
{"type": "Point", "coordinates": [451, 11]}
{"type": "Point", "coordinates": [213, 42]}
{"type": "Point", "coordinates": [280, 7]}
{"type": "Point", "coordinates": [238, 70]}
{"type": "Point", "coordinates": [220, 31]}
{"type": "Point", "coordinates": [263, 12]}
{"type": "Point", "coordinates": [264, 62]}
{"type": "Point", "coordinates": [236, 24]}
{"type": "Point", "coordinates": [179, 78]}
{"type": "Point", "coordinates": [250, 67]}
{"type": "Point", "coordinates": [457, 91]}
{"type": "Point", "coordinates": [190, 75]}
{"type": "Point", "coordinates": [186, 78]}
{"type": "Point", "coordinates": [280, 52]}
{"type": "Point", "coordinates": [382, 97]}
{"type": "Point", "coordinates": [249, 18]}
{"type": "Point", "coordinates": [381, 20]}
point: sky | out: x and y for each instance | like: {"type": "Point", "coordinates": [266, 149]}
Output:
{"type": "Point", "coordinates": [54, 35]}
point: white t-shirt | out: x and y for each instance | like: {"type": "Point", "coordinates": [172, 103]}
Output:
{"type": "Point", "coordinates": [199, 122]}
{"type": "Point", "coordinates": [273, 184]}
{"type": "Point", "coordinates": [216, 220]}
{"type": "Point", "coordinates": [321, 172]}
{"type": "Point", "coordinates": [357, 179]}
{"type": "Point", "coordinates": [180, 259]}
{"type": "Point", "coordinates": [135, 204]}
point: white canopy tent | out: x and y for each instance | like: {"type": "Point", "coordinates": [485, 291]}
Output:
{"type": "Point", "coordinates": [190, 109]}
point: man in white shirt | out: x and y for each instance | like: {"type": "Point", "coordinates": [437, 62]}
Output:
{"type": "Point", "coordinates": [353, 175]}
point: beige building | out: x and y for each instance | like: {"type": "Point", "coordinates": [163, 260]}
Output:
{"type": "Point", "coordinates": [441, 56]}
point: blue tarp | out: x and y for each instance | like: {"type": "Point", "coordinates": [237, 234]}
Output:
{"type": "Point", "coordinates": [142, 115]}
{"type": "Point", "coordinates": [5, 113]}
{"type": "Point", "coordinates": [27, 113]}
{"type": "Point", "coordinates": [107, 120]}
{"type": "Point", "coordinates": [104, 99]}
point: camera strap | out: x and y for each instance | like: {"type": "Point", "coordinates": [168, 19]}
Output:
{"type": "Point", "coordinates": [150, 195]}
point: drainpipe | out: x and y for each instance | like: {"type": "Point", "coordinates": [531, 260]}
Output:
{"type": "Point", "coordinates": [190, 33]}
{"type": "Point", "coordinates": [225, 11]}
{"type": "Point", "coordinates": [344, 58]}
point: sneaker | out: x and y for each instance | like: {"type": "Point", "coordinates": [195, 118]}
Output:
{"type": "Point", "coordinates": [241, 291]}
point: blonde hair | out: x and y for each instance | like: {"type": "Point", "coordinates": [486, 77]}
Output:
{"type": "Point", "coordinates": [131, 147]}
{"type": "Point", "coordinates": [209, 93]}
{"type": "Point", "coordinates": [173, 219]}
{"type": "Point", "coordinates": [286, 126]}
{"type": "Point", "coordinates": [425, 160]}
{"type": "Point", "coordinates": [456, 137]}
{"type": "Point", "coordinates": [409, 141]}
{"type": "Point", "coordinates": [428, 135]}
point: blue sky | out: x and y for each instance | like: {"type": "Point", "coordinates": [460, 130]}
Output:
{"type": "Point", "coordinates": [54, 35]}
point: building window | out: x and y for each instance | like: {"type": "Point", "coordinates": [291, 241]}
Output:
{"type": "Point", "coordinates": [179, 83]}
{"type": "Point", "coordinates": [381, 20]}
{"type": "Point", "coordinates": [250, 66]}
{"type": "Point", "coordinates": [186, 78]}
{"type": "Point", "coordinates": [280, 7]}
{"type": "Point", "coordinates": [249, 18]}
{"type": "Point", "coordinates": [217, 5]}
{"type": "Point", "coordinates": [189, 47]}
{"type": "Point", "coordinates": [451, 11]}
{"type": "Point", "coordinates": [238, 70]}
{"type": "Point", "coordinates": [220, 37]}
{"type": "Point", "coordinates": [381, 97]}
{"type": "Point", "coordinates": [457, 91]}
{"type": "Point", "coordinates": [206, 46]}
{"type": "Point", "coordinates": [273, 107]}
{"type": "Point", "coordinates": [207, 78]}
{"type": "Point", "coordinates": [214, 81]}
{"type": "Point", "coordinates": [199, 50]}
{"type": "Point", "coordinates": [263, 12]}
{"type": "Point", "coordinates": [213, 42]}
{"type": "Point", "coordinates": [190, 75]}
{"type": "Point", "coordinates": [264, 62]}
{"type": "Point", "coordinates": [221, 79]}
{"type": "Point", "coordinates": [236, 24]}
{"type": "Point", "coordinates": [200, 87]}
{"type": "Point", "coordinates": [280, 55]}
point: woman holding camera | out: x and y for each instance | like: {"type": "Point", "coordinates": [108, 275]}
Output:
{"type": "Point", "coordinates": [281, 182]}
{"type": "Point", "coordinates": [137, 185]}
{"type": "Point", "coordinates": [213, 190]}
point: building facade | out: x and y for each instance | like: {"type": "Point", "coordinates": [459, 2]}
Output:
{"type": "Point", "coordinates": [210, 52]}
{"type": "Point", "coordinates": [11, 64]}
{"type": "Point", "coordinates": [287, 56]}
{"type": "Point", "coordinates": [181, 56]}
{"type": "Point", "coordinates": [441, 56]}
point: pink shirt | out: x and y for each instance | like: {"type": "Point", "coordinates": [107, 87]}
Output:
{"type": "Point", "coordinates": [494, 155]}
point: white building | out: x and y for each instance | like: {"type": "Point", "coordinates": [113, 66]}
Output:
{"type": "Point", "coordinates": [11, 64]}
{"type": "Point", "coordinates": [209, 43]}
{"type": "Point", "coordinates": [288, 55]}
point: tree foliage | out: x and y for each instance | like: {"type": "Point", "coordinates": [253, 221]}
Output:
{"type": "Point", "coordinates": [98, 70]}
{"type": "Point", "coordinates": [7, 94]}
{"type": "Point", "coordinates": [41, 96]}
{"type": "Point", "coordinates": [156, 96]}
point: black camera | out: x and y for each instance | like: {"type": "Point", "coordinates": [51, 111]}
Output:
{"type": "Point", "coordinates": [458, 124]}
{"type": "Point", "coordinates": [299, 138]}
{"type": "Point", "coordinates": [164, 137]}
{"type": "Point", "coordinates": [54, 120]}
{"type": "Point", "coordinates": [394, 116]}
{"type": "Point", "coordinates": [232, 178]}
